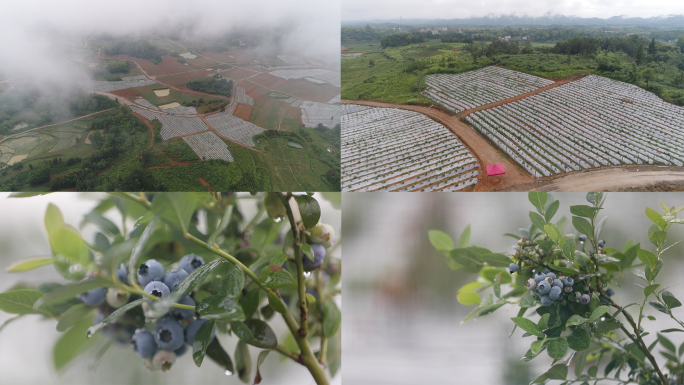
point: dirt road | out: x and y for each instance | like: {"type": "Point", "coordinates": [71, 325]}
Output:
{"type": "Point", "coordinates": [611, 179]}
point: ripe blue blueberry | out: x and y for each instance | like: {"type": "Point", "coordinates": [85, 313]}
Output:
{"type": "Point", "coordinates": [193, 327]}
{"type": "Point", "coordinates": [568, 281]}
{"type": "Point", "coordinates": [551, 275]}
{"type": "Point", "coordinates": [584, 299]}
{"type": "Point", "coordinates": [319, 256]}
{"type": "Point", "coordinates": [555, 293]}
{"type": "Point", "coordinates": [546, 300]}
{"type": "Point", "coordinates": [169, 334]}
{"type": "Point", "coordinates": [531, 284]}
{"type": "Point", "coordinates": [543, 287]}
{"type": "Point", "coordinates": [610, 292]}
{"type": "Point", "coordinates": [601, 243]}
{"type": "Point", "coordinates": [150, 271]}
{"type": "Point", "coordinates": [157, 289]}
{"type": "Point", "coordinates": [95, 297]}
{"type": "Point", "coordinates": [539, 277]}
{"type": "Point", "coordinates": [190, 262]}
{"type": "Point", "coordinates": [558, 282]}
{"type": "Point", "coordinates": [583, 238]}
{"type": "Point", "coordinates": [603, 300]}
{"type": "Point", "coordinates": [546, 271]}
{"type": "Point", "coordinates": [144, 344]}
{"type": "Point", "coordinates": [513, 268]}
{"type": "Point", "coordinates": [174, 277]}
{"type": "Point", "coordinates": [122, 273]}
{"type": "Point", "coordinates": [183, 314]}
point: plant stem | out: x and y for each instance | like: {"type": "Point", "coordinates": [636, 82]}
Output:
{"type": "Point", "coordinates": [296, 236]}
{"type": "Point", "coordinates": [290, 354]}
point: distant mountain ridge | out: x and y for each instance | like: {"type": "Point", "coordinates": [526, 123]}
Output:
{"type": "Point", "coordinates": [669, 21]}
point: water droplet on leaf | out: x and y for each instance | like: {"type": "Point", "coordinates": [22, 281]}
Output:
{"type": "Point", "coordinates": [228, 373]}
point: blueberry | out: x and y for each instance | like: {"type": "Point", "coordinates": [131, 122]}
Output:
{"type": "Point", "coordinates": [143, 343]}
{"type": "Point", "coordinates": [122, 273]}
{"type": "Point", "coordinates": [190, 262]}
{"type": "Point", "coordinates": [584, 299]}
{"type": "Point", "coordinates": [319, 256]}
{"type": "Point", "coordinates": [583, 238]}
{"type": "Point", "coordinates": [150, 271]}
{"type": "Point", "coordinates": [174, 277]}
{"type": "Point", "coordinates": [578, 295]}
{"type": "Point", "coordinates": [546, 271]}
{"type": "Point", "coordinates": [513, 268]}
{"type": "Point", "coordinates": [183, 314]}
{"type": "Point", "coordinates": [95, 297]}
{"type": "Point", "coordinates": [546, 300]}
{"type": "Point", "coordinates": [322, 234]}
{"type": "Point", "coordinates": [543, 287]}
{"type": "Point", "coordinates": [192, 328]}
{"type": "Point", "coordinates": [610, 292]}
{"type": "Point", "coordinates": [568, 281]}
{"type": "Point", "coordinates": [157, 289]}
{"type": "Point", "coordinates": [557, 282]}
{"type": "Point", "coordinates": [117, 298]}
{"type": "Point", "coordinates": [549, 280]}
{"type": "Point", "coordinates": [551, 275]}
{"type": "Point", "coordinates": [539, 277]}
{"type": "Point", "coordinates": [555, 293]}
{"type": "Point", "coordinates": [568, 289]}
{"type": "Point", "coordinates": [169, 334]}
{"type": "Point", "coordinates": [601, 243]}
{"type": "Point", "coordinates": [163, 360]}
{"type": "Point", "coordinates": [531, 284]}
{"type": "Point", "coordinates": [603, 300]}
{"type": "Point", "coordinates": [180, 351]}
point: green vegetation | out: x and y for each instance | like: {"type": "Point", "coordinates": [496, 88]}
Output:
{"type": "Point", "coordinates": [141, 49]}
{"type": "Point", "coordinates": [84, 104]}
{"type": "Point", "coordinates": [119, 67]}
{"type": "Point", "coordinates": [212, 85]}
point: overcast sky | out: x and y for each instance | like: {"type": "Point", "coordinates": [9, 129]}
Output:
{"type": "Point", "coordinates": [391, 10]}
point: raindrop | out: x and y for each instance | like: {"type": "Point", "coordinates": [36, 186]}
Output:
{"type": "Point", "coordinates": [89, 333]}
{"type": "Point", "coordinates": [307, 274]}
{"type": "Point", "coordinates": [276, 220]}
{"type": "Point", "coordinates": [228, 373]}
{"type": "Point", "coordinates": [75, 268]}
{"type": "Point", "coordinates": [603, 318]}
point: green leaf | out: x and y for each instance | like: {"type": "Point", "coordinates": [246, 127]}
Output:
{"type": "Point", "coordinates": [177, 208]}
{"type": "Point", "coordinates": [137, 252]}
{"type": "Point", "coordinates": [583, 226]}
{"type": "Point", "coordinates": [656, 218]}
{"type": "Point", "coordinates": [468, 298]}
{"type": "Point", "coordinates": [307, 250]}
{"type": "Point", "coordinates": [552, 231]}
{"type": "Point", "coordinates": [469, 258]}
{"type": "Point", "coordinates": [243, 361]}
{"type": "Point", "coordinates": [557, 348]}
{"type": "Point", "coordinates": [250, 303]}
{"type": "Point", "coordinates": [264, 337]}
{"type": "Point", "coordinates": [201, 343]}
{"type": "Point", "coordinates": [196, 277]}
{"type": "Point", "coordinates": [465, 237]}
{"type": "Point", "coordinates": [528, 326]}
{"type": "Point", "coordinates": [538, 200]}
{"type": "Point", "coordinates": [536, 347]}
{"type": "Point", "coordinates": [490, 309]}
{"type": "Point", "coordinates": [71, 317]}
{"type": "Point", "coordinates": [29, 264]}
{"type": "Point", "coordinates": [53, 218]}
{"type": "Point", "coordinates": [579, 364]}
{"type": "Point", "coordinates": [672, 330]}
{"type": "Point", "coordinates": [527, 300]}
{"type": "Point", "coordinates": [69, 291]}
{"type": "Point", "coordinates": [71, 344]}
{"type": "Point", "coordinates": [216, 352]}
{"type": "Point", "coordinates": [20, 301]}
{"type": "Point", "coordinates": [67, 243]}
{"type": "Point", "coordinates": [332, 318]}
{"type": "Point", "coordinates": [576, 320]}
{"type": "Point", "coordinates": [648, 290]}
{"type": "Point", "coordinates": [551, 210]}
{"type": "Point", "coordinates": [670, 301]}
{"type": "Point", "coordinates": [231, 279]}
{"type": "Point", "coordinates": [225, 220]}
{"type": "Point", "coordinates": [598, 312]}
{"type": "Point", "coordinates": [218, 307]}
{"type": "Point", "coordinates": [276, 303]}
{"type": "Point", "coordinates": [557, 372]}
{"type": "Point", "coordinates": [470, 286]}
{"type": "Point", "coordinates": [667, 343]}
{"type": "Point", "coordinates": [441, 241]}
{"type": "Point", "coordinates": [659, 307]}
{"type": "Point", "coordinates": [260, 360]}
{"type": "Point", "coordinates": [579, 340]}
{"type": "Point", "coordinates": [651, 274]}
{"type": "Point", "coordinates": [537, 220]}
{"type": "Point", "coordinates": [275, 277]}
{"type": "Point", "coordinates": [100, 221]}
{"type": "Point", "coordinates": [116, 314]}
{"type": "Point", "coordinates": [496, 260]}
{"type": "Point", "coordinates": [584, 211]}
{"type": "Point", "coordinates": [309, 210]}
{"type": "Point", "coordinates": [569, 247]}
{"type": "Point", "coordinates": [648, 258]}
{"type": "Point", "coordinates": [658, 238]}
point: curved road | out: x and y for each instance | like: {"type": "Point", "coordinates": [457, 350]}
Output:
{"type": "Point", "coordinates": [517, 179]}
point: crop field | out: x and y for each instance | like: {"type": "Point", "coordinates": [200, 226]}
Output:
{"type": "Point", "coordinates": [145, 103]}
{"type": "Point", "coordinates": [242, 97]}
{"type": "Point", "coordinates": [243, 111]}
{"type": "Point", "coordinates": [238, 74]}
{"type": "Point", "coordinates": [126, 82]}
{"type": "Point", "coordinates": [476, 88]}
{"type": "Point", "coordinates": [387, 149]}
{"type": "Point", "coordinates": [183, 78]}
{"type": "Point", "coordinates": [299, 88]}
{"type": "Point", "coordinates": [37, 143]}
{"type": "Point", "coordinates": [173, 126]}
{"type": "Point", "coordinates": [234, 128]}
{"type": "Point", "coordinates": [589, 123]}
{"type": "Point", "coordinates": [320, 74]}
{"type": "Point", "coordinates": [208, 145]}
{"type": "Point", "coordinates": [314, 114]}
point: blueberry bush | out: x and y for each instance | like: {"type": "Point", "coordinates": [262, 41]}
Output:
{"type": "Point", "coordinates": [191, 269]}
{"type": "Point", "coordinates": [563, 283]}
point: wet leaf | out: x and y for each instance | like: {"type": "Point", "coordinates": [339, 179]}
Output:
{"type": "Point", "coordinates": [218, 307]}
{"type": "Point", "coordinates": [29, 264]}
{"type": "Point", "coordinates": [275, 277]}
{"type": "Point", "coordinates": [201, 343]}
{"type": "Point", "coordinates": [309, 210]}
{"type": "Point", "coordinates": [260, 360]}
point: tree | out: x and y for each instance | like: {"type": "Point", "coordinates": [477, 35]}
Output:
{"type": "Point", "coordinates": [639, 56]}
{"type": "Point", "coordinates": [680, 43]}
{"type": "Point", "coordinates": [648, 74]}
{"type": "Point", "coordinates": [652, 48]}
{"type": "Point", "coordinates": [474, 51]}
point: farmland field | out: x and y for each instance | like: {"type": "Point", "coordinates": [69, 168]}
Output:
{"type": "Point", "coordinates": [386, 149]}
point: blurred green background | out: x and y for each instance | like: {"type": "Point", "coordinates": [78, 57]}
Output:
{"type": "Point", "coordinates": [26, 345]}
{"type": "Point", "coordinates": [402, 320]}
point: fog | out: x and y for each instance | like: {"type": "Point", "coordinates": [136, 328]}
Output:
{"type": "Point", "coordinates": [41, 38]}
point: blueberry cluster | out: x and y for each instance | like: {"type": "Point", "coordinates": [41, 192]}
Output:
{"type": "Point", "coordinates": [172, 333]}
{"type": "Point", "coordinates": [549, 288]}
{"type": "Point", "coordinates": [320, 237]}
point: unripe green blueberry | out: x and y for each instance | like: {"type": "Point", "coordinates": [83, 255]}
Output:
{"type": "Point", "coordinates": [117, 298]}
{"type": "Point", "coordinates": [323, 234]}
{"type": "Point", "coordinates": [274, 206]}
{"type": "Point", "coordinates": [549, 280]}
{"type": "Point", "coordinates": [163, 360]}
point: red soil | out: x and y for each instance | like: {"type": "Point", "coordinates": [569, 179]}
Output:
{"type": "Point", "coordinates": [182, 78]}
{"type": "Point", "coordinates": [237, 73]}
{"type": "Point", "coordinates": [129, 93]}
{"type": "Point", "coordinates": [206, 184]}
{"type": "Point", "coordinates": [243, 111]}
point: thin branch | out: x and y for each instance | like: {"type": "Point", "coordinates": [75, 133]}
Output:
{"type": "Point", "coordinates": [298, 358]}
{"type": "Point", "coordinates": [301, 283]}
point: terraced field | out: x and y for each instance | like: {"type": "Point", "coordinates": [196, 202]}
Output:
{"type": "Point", "coordinates": [173, 126]}
{"type": "Point", "coordinates": [208, 145]}
{"type": "Point", "coordinates": [387, 149]}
